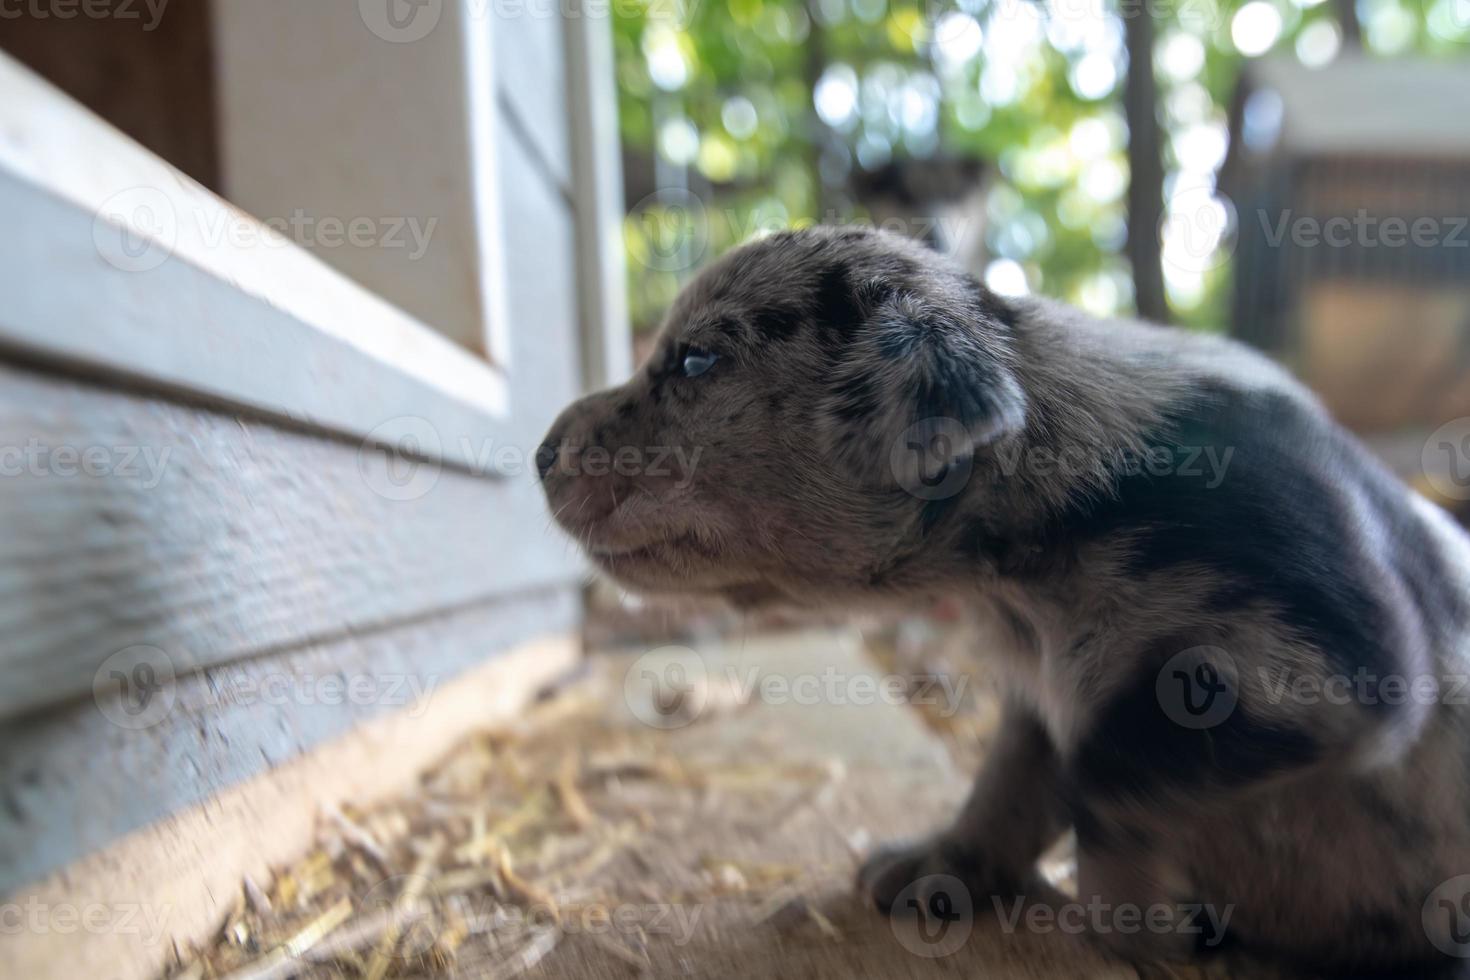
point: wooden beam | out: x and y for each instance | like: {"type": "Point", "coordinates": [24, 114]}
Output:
{"type": "Point", "coordinates": [119, 263]}
{"type": "Point", "coordinates": [131, 520]}
{"type": "Point", "coordinates": [177, 879]}
{"type": "Point", "coordinates": [597, 194]}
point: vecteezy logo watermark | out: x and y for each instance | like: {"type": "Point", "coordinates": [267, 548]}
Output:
{"type": "Point", "coordinates": [399, 459]}
{"type": "Point", "coordinates": [134, 688]}
{"type": "Point", "coordinates": [119, 10]}
{"type": "Point", "coordinates": [1199, 687]}
{"type": "Point", "coordinates": [933, 917]}
{"type": "Point", "coordinates": [925, 23]}
{"type": "Point", "coordinates": [1446, 917]}
{"type": "Point", "coordinates": [1446, 459]}
{"type": "Point", "coordinates": [1197, 231]}
{"type": "Point", "coordinates": [932, 459]}
{"type": "Point", "coordinates": [403, 902]}
{"type": "Point", "coordinates": [135, 230]}
{"type": "Point", "coordinates": [674, 228]}
{"type": "Point", "coordinates": [142, 464]}
{"type": "Point", "coordinates": [1449, 20]}
{"type": "Point", "coordinates": [667, 688]}
{"type": "Point", "coordinates": [93, 918]}
{"type": "Point", "coordinates": [401, 21]}
{"type": "Point", "coordinates": [1100, 918]}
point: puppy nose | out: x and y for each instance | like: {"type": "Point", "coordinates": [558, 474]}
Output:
{"type": "Point", "coordinates": [546, 456]}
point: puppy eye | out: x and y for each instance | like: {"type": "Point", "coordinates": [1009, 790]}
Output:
{"type": "Point", "coordinates": [697, 361]}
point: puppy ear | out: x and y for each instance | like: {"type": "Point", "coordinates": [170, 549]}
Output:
{"type": "Point", "coordinates": [921, 390]}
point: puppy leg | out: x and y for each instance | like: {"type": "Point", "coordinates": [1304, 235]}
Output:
{"type": "Point", "coordinates": [1126, 903]}
{"type": "Point", "coordinates": [1014, 812]}
{"type": "Point", "coordinates": [1147, 769]}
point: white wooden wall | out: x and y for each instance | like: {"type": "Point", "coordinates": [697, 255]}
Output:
{"type": "Point", "coordinates": [271, 525]}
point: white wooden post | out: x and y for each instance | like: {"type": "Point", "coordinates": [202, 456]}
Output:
{"type": "Point", "coordinates": [598, 198]}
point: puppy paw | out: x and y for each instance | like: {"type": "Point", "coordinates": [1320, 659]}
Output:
{"type": "Point", "coordinates": [925, 869]}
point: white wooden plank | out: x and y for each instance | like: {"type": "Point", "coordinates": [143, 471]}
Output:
{"type": "Point", "coordinates": [117, 261]}
{"type": "Point", "coordinates": [336, 111]}
{"type": "Point", "coordinates": [1361, 105]}
{"type": "Point", "coordinates": [532, 76]}
{"type": "Point", "coordinates": [543, 286]}
{"type": "Point", "coordinates": [186, 868]}
{"type": "Point", "coordinates": [134, 521]}
{"type": "Point", "coordinates": [597, 195]}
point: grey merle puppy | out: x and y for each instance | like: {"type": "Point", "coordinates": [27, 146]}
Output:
{"type": "Point", "coordinates": [1183, 556]}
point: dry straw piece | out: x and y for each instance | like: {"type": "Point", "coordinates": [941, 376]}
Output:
{"type": "Point", "coordinates": [519, 840]}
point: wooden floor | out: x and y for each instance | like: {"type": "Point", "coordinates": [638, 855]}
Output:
{"type": "Point", "coordinates": [891, 777]}
{"type": "Point", "coordinates": [686, 814]}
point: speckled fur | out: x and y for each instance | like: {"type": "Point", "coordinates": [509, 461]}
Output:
{"type": "Point", "coordinates": [1324, 827]}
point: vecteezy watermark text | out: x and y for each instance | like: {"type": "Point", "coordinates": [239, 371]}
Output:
{"type": "Point", "coordinates": [672, 920]}
{"type": "Point", "coordinates": [931, 461]}
{"type": "Point", "coordinates": [487, 915]}
{"type": "Point", "coordinates": [407, 21]}
{"type": "Point", "coordinates": [149, 12]}
{"type": "Point", "coordinates": [1098, 917]}
{"type": "Point", "coordinates": [1207, 462]}
{"type": "Point", "coordinates": [93, 918]}
{"type": "Point", "coordinates": [660, 461]}
{"type": "Point", "coordinates": [143, 464]}
{"type": "Point", "coordinates": [332, 689]}
{"type": "Point", "coordinates": [1365, 230]}
{"type": "Point", "coordinates": [137, 687]}
{"type": "Point", "coordinates": [670, 687]}
{"type": "Point", "coordinates": [1364, 687]}
{"type": "Point", "coordinates": [138, 229]}
{"type": "Point", "coordinates": [321, 232]}
{"type": "Point", "coordinates": [400, 459]}
{"type": "Point", "coordinates": [675, 228]}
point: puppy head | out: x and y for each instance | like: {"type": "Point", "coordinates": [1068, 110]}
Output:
{"type": "Point", "coordinates": [812, 397]}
